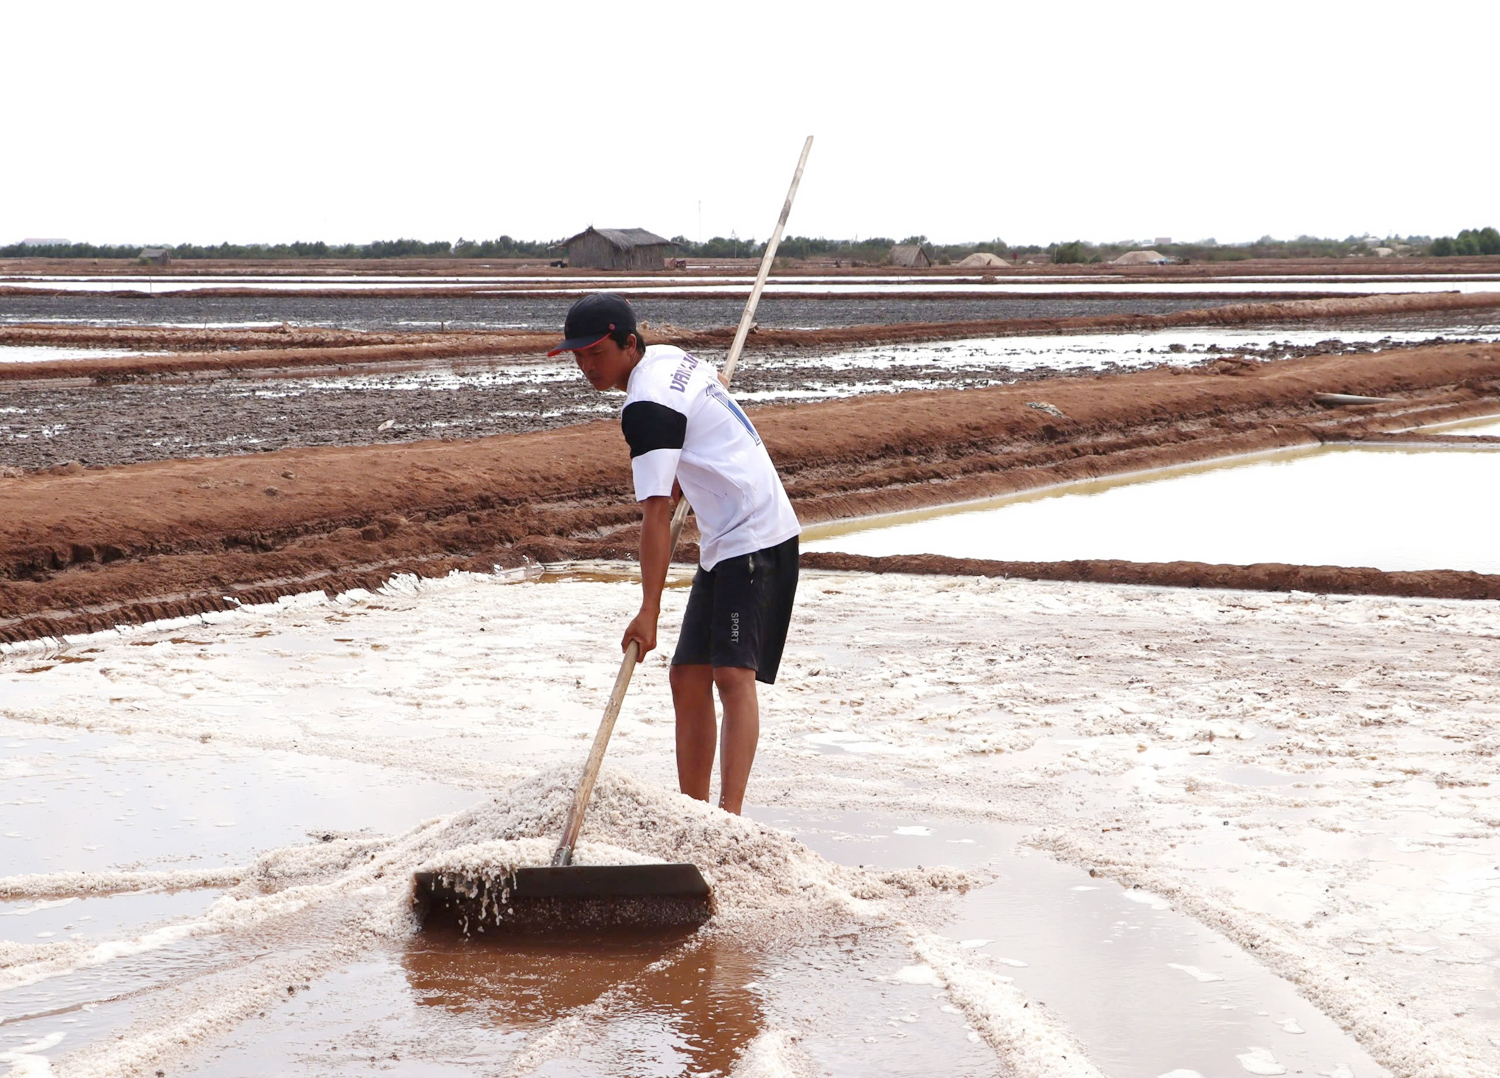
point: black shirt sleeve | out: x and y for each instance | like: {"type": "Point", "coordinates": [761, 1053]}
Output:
{"type": "Point", "coordinates": [648, 426]}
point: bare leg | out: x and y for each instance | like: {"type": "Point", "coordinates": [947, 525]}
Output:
{"type": "Point", "coordinates": [697, 728]}
{"type": "Point", "coordinates": [741, 732]}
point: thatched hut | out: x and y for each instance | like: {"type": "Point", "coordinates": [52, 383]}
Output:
{"type": "Point", "coordinates": [617, 248]}
{"type": "Point", "coordinates": [910, 256]}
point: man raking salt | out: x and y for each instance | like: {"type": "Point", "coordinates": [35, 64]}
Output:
{"type": "Point", "coordinates": [687, 437]}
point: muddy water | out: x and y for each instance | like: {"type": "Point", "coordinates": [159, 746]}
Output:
{"type": "Point", "coordinates": [1391, 509]}
{"type": "Point", "coordinates": [595, 1007]}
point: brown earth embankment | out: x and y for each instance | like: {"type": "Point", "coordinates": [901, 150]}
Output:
{"type": "Point", "coordinates": [99, 547]}
{"type": "Point", "coordinates": [1267, 576]}
{"type": "Point", "coordinates": [291, 348]}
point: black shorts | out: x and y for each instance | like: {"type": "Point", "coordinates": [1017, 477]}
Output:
{"type": "Point", "coordinates": [738, 612]}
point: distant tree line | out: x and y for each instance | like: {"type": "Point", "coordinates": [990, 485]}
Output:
{"type": "Point", "coordinates": [870, 249]}
{"type": "Point", "coordinates": [1267, 247]}
{"type": "Point", "coordinates": [504, 247]}
{"type": "Point", "coordinates": [1471, 241]}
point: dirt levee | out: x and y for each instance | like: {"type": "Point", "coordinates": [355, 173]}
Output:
{"type": "Point", "coordinates": [1267, 576]}
{"type": "Point", "coordinates": [90, 548]}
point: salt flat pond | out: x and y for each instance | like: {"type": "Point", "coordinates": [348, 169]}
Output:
{"type": "Point", "coordinates": [1386, 508]}
{"type": "Point", "coordinates": [1175, 806]}
{"type": "Point", "coordinates": [666, 284]}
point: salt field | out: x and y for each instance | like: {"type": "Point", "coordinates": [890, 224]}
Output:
{"type": "Point", "coordinates": [1299, 507]}
{"type": "Point", "coordinates": [996, 827]}
{"type": "Point", "coordinates": [667, 284]}
{"type": "Point", "coordinates": [1123, 831]}
{"type": "Point", "coordinates": [1127, 586]}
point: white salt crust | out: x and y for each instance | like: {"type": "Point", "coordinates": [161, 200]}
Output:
{"type": "Point", "coordinates": [41, 885]}
{"type": "Point", "coordinates": [774, 1054]}
{"type": "Point", "coordinates": [1126, 724]}
{"type": "Point", "coordinates": [1026, 1038]}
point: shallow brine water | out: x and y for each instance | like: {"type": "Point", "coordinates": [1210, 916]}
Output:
{"type": "Point", "coordinates": [1102, 351]}
{"type": "Point", "coordinates": [14, 353]}
{"type": "Point", "coordinates": [1391, 509]}
{"type": "Point", "coordinates": [1146, 989]}
{"type": "Point", "coordinates": [1486, 427]}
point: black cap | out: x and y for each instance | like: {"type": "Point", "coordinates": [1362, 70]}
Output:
{"type": "Point", "coordinates": [593, 318]}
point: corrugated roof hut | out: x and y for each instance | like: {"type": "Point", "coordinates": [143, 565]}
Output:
{"type": "Point", "coordinates": [160, 255]}
{"type": "Point", "coordinates": [618, 248]}
{"type": "Point", "coordinates": [910, 255]}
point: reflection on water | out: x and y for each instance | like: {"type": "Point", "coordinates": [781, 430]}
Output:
{"type": "Point", "coordinates": [1119, 968]}
{"type": "Point", "coordinates": [683, 1005]}
{"type": "Point", "coordinates": [1485, 426]}
{"type": "Point", "coordinates": [1147, 989]}
{"type": "Point", "coordinates": [77, 800]}
{"type": "Point", "coordinates": [1390, 509]}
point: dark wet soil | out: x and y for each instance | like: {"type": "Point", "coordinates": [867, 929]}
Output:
{"type": "Point", "coordinates": [546, 313]}
{"type": "Point", "coordinates": [48, 424]}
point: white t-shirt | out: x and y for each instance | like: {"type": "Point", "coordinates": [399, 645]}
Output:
{"type": "Point", "coordinates": [681, 424]}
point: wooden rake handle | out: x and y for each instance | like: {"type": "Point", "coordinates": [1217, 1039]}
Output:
{"type": "Point", "coordinates": [564, 854]}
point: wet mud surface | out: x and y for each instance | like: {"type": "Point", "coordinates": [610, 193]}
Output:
{"type": "Point", "coordinates": [500, 311]}
{"type": "Point", "coordinates": [45, 424]}
{"type": "Point", "coordinates": [217, 391]}
{"type": "Point", "coordinates": [86, 548]}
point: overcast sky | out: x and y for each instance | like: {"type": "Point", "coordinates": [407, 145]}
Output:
{"type": "Point", "coordinates": [267, 121]}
